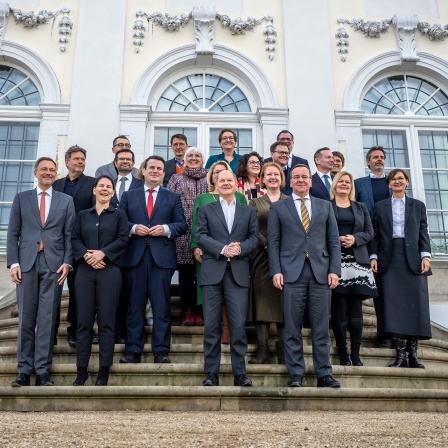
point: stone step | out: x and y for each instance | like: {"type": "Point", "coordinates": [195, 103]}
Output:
{"type": "Point", "coordinates": [223, 398]}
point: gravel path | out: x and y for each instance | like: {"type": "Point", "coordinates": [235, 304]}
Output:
{"type": "Point", "coordinates": [223, 429]}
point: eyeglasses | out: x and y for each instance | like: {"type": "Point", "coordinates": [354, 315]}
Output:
{"type": "Point", "coordinates": [124, 159]}
{"type": "Point", "coordinates": [123, 145]}
{"type": "Point", "coordinates": [398, 179]}
{"type": "Point", "coordinates": [282, 153]}
{"type": "Point", "coordinates": [230, 139]}
{"type": "Point", "coordinates": [254, 162]}
{"type": "Point", "coordinates": [285, 139]}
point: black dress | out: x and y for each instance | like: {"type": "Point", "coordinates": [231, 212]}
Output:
{"type": "Point", "coordinates": [356, 279]}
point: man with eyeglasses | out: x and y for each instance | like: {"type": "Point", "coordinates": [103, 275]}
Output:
{"type": "Point", "coordinates": [110, 169]}
{"type": "Point", "coordinates": [280, 154]}
{"type": "Point", "coordinates": [371, 189]}
{"type": "Point", "coordinates": [176, 165]}
{"type": "Point", "coordinates": [304, 256]}
{"type": "Point", "coordinates": [227, 140]}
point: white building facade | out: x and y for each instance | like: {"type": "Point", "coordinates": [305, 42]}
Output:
{"type": "Point", "coordinates": [346, 74]}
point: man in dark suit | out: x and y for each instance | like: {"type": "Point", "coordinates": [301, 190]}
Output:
{"type": "Point", "coordinates": [176, 165]}
{"type": "Point", "coordinates": [124, 164]}
{"type": "Point", "coordinates": [280, 154]}
{"type": "Point", "coordinates": [155, 218]}
{"type": "Point", "coordinates": [80, 188]}
{"type": "Point", "coordinates": [227, 232]}
{"type": "Point", "coordinates": [305, 263]}
{"type": "Point", "coordinates": [39, 256]}
{"type": "Point", "coordinates": [109, 169]}
{"type": "Point", "coordinates": [371, 189]}
{"type": "Point", "coordinates": [322, 179]}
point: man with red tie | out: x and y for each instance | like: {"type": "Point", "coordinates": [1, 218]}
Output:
{"type": "Point", "coordinates": [155, 218]}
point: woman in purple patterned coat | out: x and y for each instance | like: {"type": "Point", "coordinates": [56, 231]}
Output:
{"type": "Point", "coordinates": [189, 185]}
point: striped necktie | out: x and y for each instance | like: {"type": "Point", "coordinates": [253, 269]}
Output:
{"type": "Point", "coordinates": [305, 215]}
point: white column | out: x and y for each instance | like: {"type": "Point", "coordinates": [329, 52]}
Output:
{"type": "Point", "coordinates": [97, 79]}
{"type": "Point", "coordinates": [309, 76]}
{"type": "Point", "coordinates": [272, 121]}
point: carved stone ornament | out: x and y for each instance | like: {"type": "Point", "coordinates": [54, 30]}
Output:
{"type": "Point", "coordinates": [204, 29]}
{"type": "Point", "coordinates": [4, 13]}
{"type": "Point", "coordinates": [30, 19]}
{"type": "Point", "coordinates": [204, 23]}
{"type": "Point", "coordinates": [434, 32]}
{"type": "Point", "coordinates": [405, 26]}
{"type": "Point", "coordinates": [368, 28]}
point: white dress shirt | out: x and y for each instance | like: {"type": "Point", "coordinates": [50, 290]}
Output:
{"type": "Point", "coordinates": [229, 211]}
{"type": "Point", "coordinates": [321, 175]}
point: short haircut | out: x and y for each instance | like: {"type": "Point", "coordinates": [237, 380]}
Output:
{"type": "Point", "coordinates": [285, 131]}
{"type": "Point", "coordinates": [180, 137]}
{"type": "Point", "coordinates": [42, 159]}
{"type": "Point", "coordinates": [232, 173]}
{"type": "Point", "coordinates": [72, 149]}
{"type": "Point", "coordinates": [116, 138]}
{"type": "Point", "coordinates": [104, 177]}
{"type": "Point", "coordinates": [194, 149]}
{"type": "Point", "coordinates": [154, 157]}
{"type": "Point", "coordinates": [274, 145]}
{"type": "Point", "coordinates": [300, 165]}
{"type": "Point", "coordinates": [394, 172]}
{"type": "Point", "coordinates": [318, 153]}
{"type": "Point", "coordinates": [336, 178]}
{"type": "Point", "coordinates": [120, 151]}
{"type": "Point", "coordinates": [227, 130]}
{"type": "Point", "coordinates": [241, 169]}
{"type": "Point", "coordinates": [210, 183]}
{"type": "Point", "coordinates": [275, 165]}
{"type": "Point", "coordinates": [340, 155]}
{"type": "Point", "coordinates": [372, 149]}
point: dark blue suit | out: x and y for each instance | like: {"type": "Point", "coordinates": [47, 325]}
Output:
{"type": "Point", "coordinates": [287, 172]}
{"type": "Point", "coordinates": [364, 193]}
{"type": "Point", "coordinates": [151, 262]}
{"type": "Point", "coordinates": [135, 183]}
{"type": "Point", "coordinates": [318, 188]}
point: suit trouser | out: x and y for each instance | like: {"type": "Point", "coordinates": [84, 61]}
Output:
{"type": "Point", "coordinates": [144, 280]}
{"type": "Point", "coordinates": [235, 297]}
{"type": "Point", "coordinates": [378, 303]}
{"type": "Point", "coordinates": [187, 288]}
{"type": "Point", "coordinates": [38, 298]}
{"type": "Point", "coordinates": [294, 298]}
{"type": "Point", "coordinates": [122, 310]}
{"type": "Point", "coordinates": [97, 292]}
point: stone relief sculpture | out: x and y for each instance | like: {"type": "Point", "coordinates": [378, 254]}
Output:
{"type": "Point", "coordinates": [4, 13]}
{"type": "Point", "coordinates": [204, 23]}
{"type": "Point", "coordinates": [405, 27]}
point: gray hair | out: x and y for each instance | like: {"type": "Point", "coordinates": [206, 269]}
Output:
{"type": "Point", "coordinates": [233, 175]}
{"type": "Point", "coordinates": [194, 149]}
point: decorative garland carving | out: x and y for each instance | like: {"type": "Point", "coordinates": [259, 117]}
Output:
{"type": "Point", "coordinates": [30, 19]}
{"type": "Point", "coordinates": [405, 27]}
{"type": "Point", "coordinates": [4, 13]}
{"type": "Point", "coordinates": [204, 28]}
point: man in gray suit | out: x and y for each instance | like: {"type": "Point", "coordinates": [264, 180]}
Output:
{"type": "Point", "coordinates": [305, 263]}
{"type": "Point", "coordinates": [39, 256]}
{"type": "Point", "coordinates": [227, 232]}
{"type": "Point", "coordinates": [110, 169]}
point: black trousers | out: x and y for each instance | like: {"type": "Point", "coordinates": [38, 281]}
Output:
{"type": "Point", "coordinates": [97, 292]}
{"type": "Point", "coordinates": [188, 289]}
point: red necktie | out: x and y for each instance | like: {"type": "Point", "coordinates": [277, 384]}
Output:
{"type": "Point", "coordinates": [42, 215]}
{"type": "Point", "coordinates": [150, 204]}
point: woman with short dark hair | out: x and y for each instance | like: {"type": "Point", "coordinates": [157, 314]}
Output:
{"type": "Point", "coordinates": [247, 173]}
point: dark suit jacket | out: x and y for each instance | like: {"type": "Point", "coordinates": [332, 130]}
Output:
{"type": "Point", "coordinates": [295, 161]}
{"type": "Point", "coordinates": [135, 183]}
{"type": "Point", "coordinates": [25, 231]}
{"type": "Point", "coordinates": [415, 231]}
{"type": "Point", "coordinates": [318, 188]}
{"type": "Point", "coordinates": [109, 170]}
{"type": "Point", "coordinates": [288, 242]}
{"type": "Point", "coordinates": [167, 210]}
{"type": "Point", "coordinates": [212, 235]}
{"type": "Point", "coordinates": [364, 193]}
{"type": "Point", "coordinates": [170, 169]}
{"type": "Point", "coordinates": [83, 195]}
{"type": "Point", "coordinates": [363, 230]}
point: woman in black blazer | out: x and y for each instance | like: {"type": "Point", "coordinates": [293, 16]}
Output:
{"type": "Point", "coordinates": [401, 253]}
{"type": "Point", "coordinates": [99, 237]}
{"type": "Point", "coordinates": [357, 282]}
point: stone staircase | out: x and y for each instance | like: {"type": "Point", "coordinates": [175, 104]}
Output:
{"type": "Point", "coordinates": [177, 386]}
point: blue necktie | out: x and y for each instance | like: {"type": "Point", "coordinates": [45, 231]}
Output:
{"type": "Point", "coordinates": [327, 182]}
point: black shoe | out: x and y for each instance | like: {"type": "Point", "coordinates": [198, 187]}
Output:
{"type": "Point", "coordinates": [295, 381]}
{"type": "Point", "coordinates": [71, 339]}
{"type": "Point", "coordinates": [22, 380]}
{"type": "Point", "coordinates": [241, 381]}
{"type": "Point", "coordinates": [131, 358]}
{"type": "Point", "coordinates": [211, 380]}
{"type": "Point", "coordinates": [81, 380]}
{"type": "Point", "coordinates": [328, 381]}
{"type": "Point", "coordinates": [44, 380]}
{"type": "Point", "coordinates": [161, 358]}
{"type": "Point", "coordinates": [120, 341]}
{"type": "Point", "coordinates": [100, 383]}
{"type": "Point", "coordinates": [95, 340]}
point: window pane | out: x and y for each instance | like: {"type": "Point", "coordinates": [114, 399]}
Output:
{"type": "Point", "coordinates": [16, 89]}
{"type": "Point", "coordinates": [243, 145]}
{"type": "Point", "coordinates": [162, 137]}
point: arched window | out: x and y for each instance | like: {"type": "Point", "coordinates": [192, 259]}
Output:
{"type": "Point", "coordinates": [415, 137]}
{"type": "Point", "coordinates": [18, 141]}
